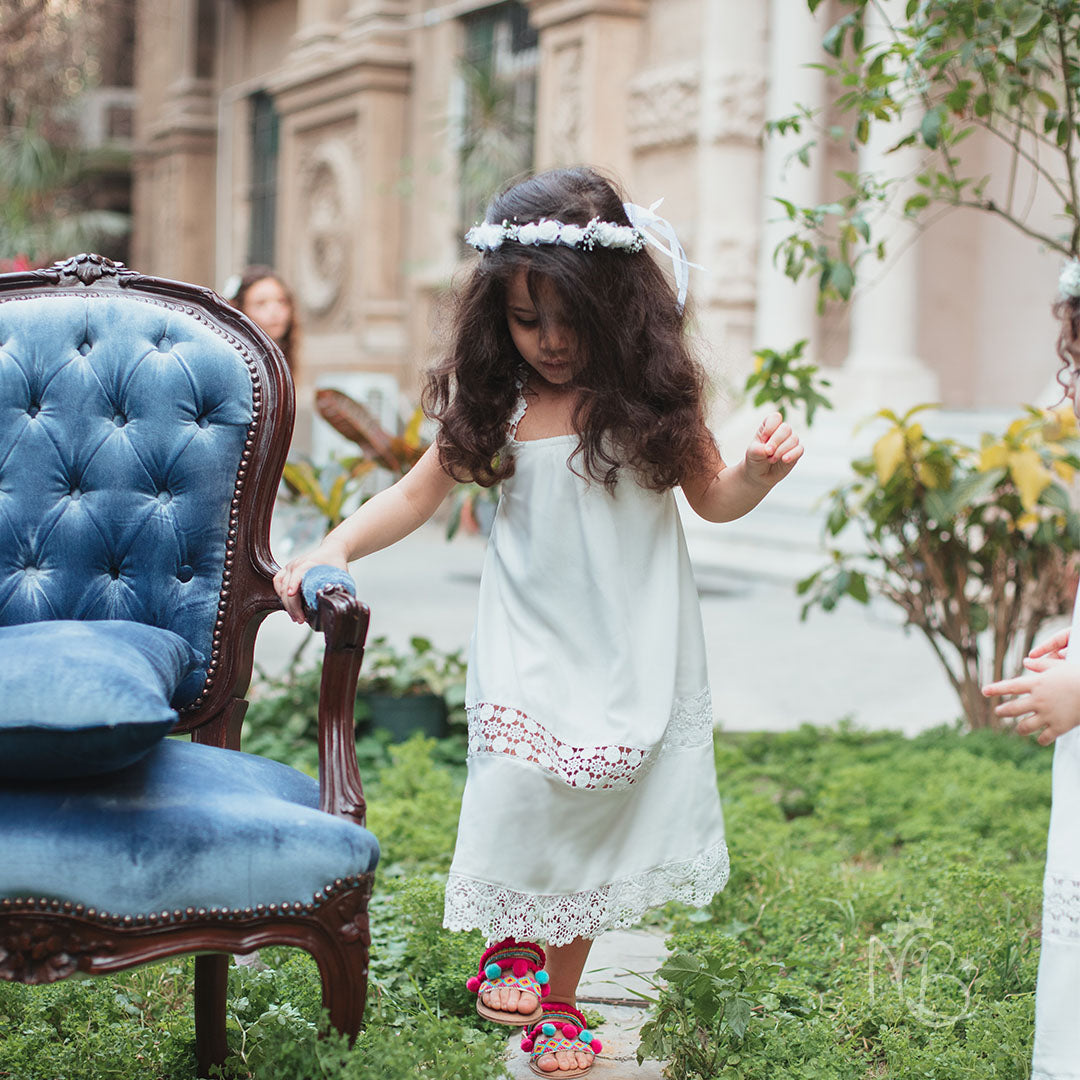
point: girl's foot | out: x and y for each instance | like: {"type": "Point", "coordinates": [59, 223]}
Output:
{"type": "Point", "coordinates": [560, 1044]}
{"type": "Point", "coordinates": [510, 983]}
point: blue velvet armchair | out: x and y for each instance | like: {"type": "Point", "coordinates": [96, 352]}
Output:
{"type": "Point", "coordinates": [143, 428]}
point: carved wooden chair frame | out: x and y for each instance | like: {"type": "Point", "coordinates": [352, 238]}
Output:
{"type": "Point", "coordinates": [43, 940]}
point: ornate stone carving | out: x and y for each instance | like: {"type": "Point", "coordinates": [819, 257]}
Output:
{"type": "Point", "coordinates": [732, 264]}
{"type": "Point", "coordinates": [738, 104]}
{"type": "Point", "coordinates": [567, 106]}
{"type": "Point", "coordinates": [324, 234]}
{"type": "Point", "coordinates": [664, 106]}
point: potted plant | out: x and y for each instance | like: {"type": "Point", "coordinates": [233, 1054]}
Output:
{"type": "Point", "coordinates": [416, 690]}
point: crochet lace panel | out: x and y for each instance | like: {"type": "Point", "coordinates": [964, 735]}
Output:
{"type": "Point", "coordinates": [519, 411]}
{"type": "Point", "coordinates": [501, 729]}
{"type": "Point", "coordinates": [557, 919]}
{"type": "Point", "coordinates": [1061, 907]}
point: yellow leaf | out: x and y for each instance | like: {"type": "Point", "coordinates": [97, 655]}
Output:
{"type": "Point", "coordinates": [412, 432]}
{"type": "Point", "coordinates": [1030, 476]}
{"type": "Point", "coordinates": [888, 454]}
{"type": "Point", "coordinates": [1030, 520]}
{"type": "Point", "coordinates": [1060, 424]}
{"type": "Point", "coordinates": [932, 476]}
{"type": "Point", "coordinates": [993, 456]}
{"type": "Point", "coordinates": [1016, 428]}
{"type": "Point", "coordinates": [914, 434]}
{"type": "Point", "coordinates": [1065, 471]}
{"type": "Point", "coordinates": [759, 363]}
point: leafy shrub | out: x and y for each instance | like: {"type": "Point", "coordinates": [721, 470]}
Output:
{"type": "Point", "coordinates": [972, 545]}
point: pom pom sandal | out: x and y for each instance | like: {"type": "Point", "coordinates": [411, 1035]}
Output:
{"type": "Point", "coordinates": [514, 965]}
{"type": "Point", "coordinates": [562, 1028]}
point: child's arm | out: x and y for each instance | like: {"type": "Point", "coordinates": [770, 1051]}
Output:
{"type": "Point", "coordinates": [722, 493]}
{"type": "Point", "coordinates": [1049, 692]}
{"type": "Point", "coordinates": [381, 521]}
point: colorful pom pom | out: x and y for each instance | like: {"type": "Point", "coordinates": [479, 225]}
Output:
{"type": "Point", "coordinates": [596, 1046]}
{"type": "Point", "coordinates": [569, 1031]}
{"type": "Point", "coordinates": [585, 1036]}
{"type": "Point", "coordinates": [548, 1029]}
{"type": "Point", "coordinates": [527, 1045]}
{"type": "Point", "coordinates": [473, 984]}
{"type": "Point", "coordinates": [542, 977]}
{"type": "Point", "coordinates": [544, 991]}
{"type": "Point", "coordinates": [493, 971]}
{"type": "Point", "coordinates": [520, 968]}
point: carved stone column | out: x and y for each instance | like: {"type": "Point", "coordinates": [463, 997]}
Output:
{"type": "Point", "coordinates": [176, 141]}
{"type": "Point", "coordinates": [589, 50]}
{"type": "Point", "coordinates": [726, 234]}
{"type": "Point", "coordinates": [343, 132]}
{"type": "Point", "coordinates": [883, 367]}
{"type": "Point", "coordinates": [786, 310]}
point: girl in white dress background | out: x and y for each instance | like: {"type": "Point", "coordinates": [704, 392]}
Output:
{"type": "Point", "coordinates": [591, 793]}
{"type": "Point", "coordinates": [1046, 699]}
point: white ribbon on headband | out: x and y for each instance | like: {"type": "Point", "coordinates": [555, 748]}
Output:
{"type": "Point", "coordinates": [647, 219]}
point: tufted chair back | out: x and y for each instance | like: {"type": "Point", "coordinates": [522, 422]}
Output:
{"type": "Point", "coordinates": [130, 417]}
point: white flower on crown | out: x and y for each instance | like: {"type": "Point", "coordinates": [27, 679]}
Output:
{"type": "Point", "coordinates": [529, 233]}
{"type": "Point", "coordinates": [571, 235]}
{"type": "Point", "coordinates": [1069, 282]}
{"type": "Point", "coordinates": [547, 231]}
{"type": "Point", "coordinates": [486, 236]}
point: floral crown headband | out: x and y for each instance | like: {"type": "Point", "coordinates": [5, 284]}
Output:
{"type": "Point", "coordinates": [631, 238]}
{"type": "Point", "coordinates": [1069, 281]}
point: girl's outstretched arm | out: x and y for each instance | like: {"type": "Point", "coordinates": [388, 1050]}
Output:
{"type": "Point", "coordinates": [381, 521]}
{"type": "Point", "coordinates": [721, 492]}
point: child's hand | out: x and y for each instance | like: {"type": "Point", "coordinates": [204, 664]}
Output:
{"type": "Point", "coordinates": [1056, 647]}
{"type": "Point", "coordinates": [773, 452]}
{"type": "Point", "coordinates": [1047, 697]}
{"type": "Point", "coordinates": [287, 579]}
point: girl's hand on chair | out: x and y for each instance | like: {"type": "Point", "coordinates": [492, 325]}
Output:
{"type": "Point", "coordinates": [287, 580]}
{"type": "Point", "coordinates": [773, 452]}
{"type": "Point", "coordinates": [1047, 697]}
{"type": "Point", "coordinates": [1056, 647]}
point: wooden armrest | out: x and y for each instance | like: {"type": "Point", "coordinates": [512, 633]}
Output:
{"type": "Point", "coordinates": [343, 621]}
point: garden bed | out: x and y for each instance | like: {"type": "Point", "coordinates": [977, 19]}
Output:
{"type": "Point", "coordinates": [881, 921]}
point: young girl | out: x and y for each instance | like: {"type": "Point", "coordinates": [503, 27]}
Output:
{"type": "Point", "coordinates": [591, 792]}
{"type": "Point", "coordinates": [1047, 699]}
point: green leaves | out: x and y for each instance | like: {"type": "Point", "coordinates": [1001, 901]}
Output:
{"type": "Point", "coordinates": [788, 381]}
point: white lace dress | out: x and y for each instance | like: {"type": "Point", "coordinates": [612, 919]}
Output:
{"type": "Point", "coordinates": [591, 793]}
{"type": "Point", "coordinates": [1057, 996]}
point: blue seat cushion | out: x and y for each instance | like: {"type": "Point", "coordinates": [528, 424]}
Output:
{"type": "Point", "coordinates": [81, 698]}
{"type": "Point", "coordinates": [186, 826]}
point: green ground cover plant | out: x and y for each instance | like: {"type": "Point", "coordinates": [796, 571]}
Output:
{"type": "Point", "coordinates": [881, 921]}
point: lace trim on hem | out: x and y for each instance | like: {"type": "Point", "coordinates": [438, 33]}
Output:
{"type": "Point", "coordinates": [501, 729]}
{"type": "Point", "coordinates": [557, 919]}
{"type": "Point", "coordinates": [1061, 907]}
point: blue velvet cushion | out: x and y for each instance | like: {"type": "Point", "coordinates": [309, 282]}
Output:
{"type": "Point", "coordinates": [81, 698]}
{"type": "Point", "coordinates": [186, 826]}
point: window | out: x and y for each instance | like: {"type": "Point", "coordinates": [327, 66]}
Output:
{"type": "Point", "coordinates": [264, 160]}
{"type": "Point", "coordinates": [498, 73]}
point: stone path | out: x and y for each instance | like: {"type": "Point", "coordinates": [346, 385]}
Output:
{"type": "Point", "coordinates": [608, 984]}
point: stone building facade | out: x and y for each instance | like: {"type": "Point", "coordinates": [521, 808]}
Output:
{"type": "Point", "coordinates": [338, 140]}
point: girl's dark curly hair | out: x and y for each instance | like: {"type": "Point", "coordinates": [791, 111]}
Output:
{"type": "Point", "coordinates": [1067, 312]}
{"type": "Point", "coordinates": [640, 388]}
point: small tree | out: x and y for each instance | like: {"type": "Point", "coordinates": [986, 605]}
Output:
{"type": "Point", "coordinates": [937, 71]}
{"type": "Point", "coordinates": [974, 545]}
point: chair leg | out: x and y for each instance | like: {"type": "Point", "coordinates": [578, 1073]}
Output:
{"type": "Point", "coordinates": [211, 980]}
